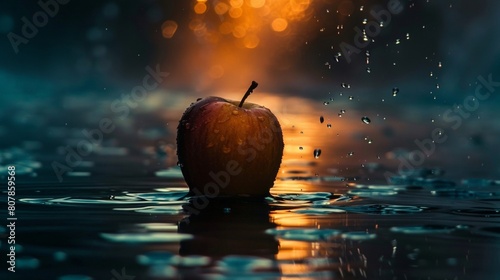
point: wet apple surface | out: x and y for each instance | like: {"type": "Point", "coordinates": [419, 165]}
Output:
{"type": "Point", "coordinates": [229, 148]}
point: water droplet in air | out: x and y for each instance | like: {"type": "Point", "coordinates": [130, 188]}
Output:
{"type": "Point", "coordinates": [397, 42]}
{"type": "Point", "coordinates": [365, 21]}
{"type": "Point", "coordinates": [366, 120]}
{"type": "Point", "coordinates": [437, 85]}
{"type": "Point", "coordinates": [342, 111]}
{"type": "Point", "coordinates": [180, 164]}
{"type": "Point", "coordinates": [321, 119]}
{"type": "Point", "coordinates": [329, 125]}
{"type": "Point", "coordinates": [317, 153]}
{"type": "Point", "coordinates": [368, 70]}
{"type": "Point", "coordinates": [350, 154]}
{"type": "Point", "coordinates": [344, 85]}
{"type": "Point", "coordinates": [395, 91]}
{"type": "Point", "coordinates": [326, 103]}
{"type": "Point", "coordinates": [111, 197]}
{"type": "Point", "coordinates": [350, 97]}
{"type": "Point", "coordinates": [301, 148]}
{"type": "Point", "coordinates": [439, 64]}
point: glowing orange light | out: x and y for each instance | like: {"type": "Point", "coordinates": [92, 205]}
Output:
{"type": "Point", "coordinates": [251, 41]}
{"type": "Point", "coordinates": [225, 28]}
{"type": "Point", "coordinates": [257, 3]}
{"type": "Point", "coordinates": [216, 72]}
{"type": "Point", "coordinates": [168, 29]}
{"type": "Point", "coordinates": [235, 12]}
{"type": "Point", "coordinates": [279, 24]}
{"type": "Point", "coordinates": [221, 8]}
{"type": "Point", "coordinates": [239, 31]}
{"type": "Point", "coordinates": [236, 3]}
{"type": "Point", "coordinates": [200, 8]}
{"type": "Point", "coordinates": [299, 5]}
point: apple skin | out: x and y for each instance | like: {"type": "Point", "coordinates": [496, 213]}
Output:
{"type": "Point", "coordinates": [226, 150]}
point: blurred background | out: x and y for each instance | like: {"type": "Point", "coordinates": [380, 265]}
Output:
{"type": "Point", "coordinates": [66, 66]}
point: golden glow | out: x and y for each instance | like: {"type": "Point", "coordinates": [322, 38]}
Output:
{"type": "Point", "coordinates": [235, 12]}
{"type": "Point", "coordinates": [221, 8]}
{"type": "Point", "coordinates": [251, 41]}
{"type": "Point", "coordinates": [225, 28]}
{"type": "Point", "coordinates": [200, 8]}
{"type": "Point", "coordinates": [257, 3]}
{"type": "Point", "coordinates": [236, 3]}
{"type": "Point", "coordinates": [279, 24]}
{"type": "Point", "coordinates": [239, 31]}
{"type": "Point", "coordinates": [216, 71]}
{"type": "Point", "coordinates": [168, 29]}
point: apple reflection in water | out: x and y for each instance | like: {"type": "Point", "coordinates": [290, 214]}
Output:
{"type": "Point", "coordinates": [230, 227]}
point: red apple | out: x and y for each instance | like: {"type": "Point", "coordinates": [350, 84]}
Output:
{"type": "Point", "coordinates": [229, 148]}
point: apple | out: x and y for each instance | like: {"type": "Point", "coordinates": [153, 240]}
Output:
{"type": "Point", "coordinates": [229, 148]}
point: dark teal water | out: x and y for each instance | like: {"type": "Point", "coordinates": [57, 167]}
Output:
{"type": "Point", "coordinates": [119, 218]}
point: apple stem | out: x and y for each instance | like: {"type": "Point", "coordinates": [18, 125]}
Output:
{"type": "Point", "coordinates": [250, 90]}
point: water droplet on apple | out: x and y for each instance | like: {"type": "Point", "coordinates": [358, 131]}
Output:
{"type": "Point", "coordinates": [301, 148]}
{"type": "Point", "coordinates": [210, 145]}
{"type": "Point", "coordinates": [222, 138]}
{"type": "Point", "coordinates": [366, 120]}
{"type": "Point", "coordinates": [317, 153]}
{"type": "Point", "coordinates": [216, 131]}
{"type": "Point", "coordinates": [321, 119]}
{"type": "Point", "coordinates": [261, 118]}
{"type": "Point", "coordinates": [329, 125]}
{"type": "Point", "coordinates": [235, 112]}
{"type": "Point", "coordinates": [226, 150]}
{"type": "Point", "coordinates": [187, 125]}
{"type": "Point", "coordinates": [239, 142]}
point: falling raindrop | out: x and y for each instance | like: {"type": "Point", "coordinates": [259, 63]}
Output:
{"type": "Point", "coordinates": [321, 119]}
{"type": "Point", "coordinates": [368, 70]}
{"type": "Point", "coordinates": [344, 85]}
{"type": "Point", "coordinates": [366, 120]}
{"type": "Point", "coordinates": [340, 115]}
{"type": "Point", "coordinates": [437, 85]}
{"type": "Point", "coordinates": [361, 8]}
{"type": "Point", "coordinates": [317, 153]}
{"type": "Point", "coordinates": [395, 91]}
{"type": "Point", "coordinates": [398, 42]}
{"type": "Point", "coordinates": [329, 125]}
{"type": "Point", "coordinates": [111, 197]}
{"type": "Point", "coordinates": [350, 97]}
{"type": "Point", "coordinates": [326, 103]}
{"type": "Point", "coordinates": [407, 36]}
{"type": "Point", "coordinates": [350, 154]}
{"type": "Point", "coordinates": [439, 64]}
{"type": "Point", "coordinates": [365, 21]}
{"type": "Point", "coordinates": [342, 111]}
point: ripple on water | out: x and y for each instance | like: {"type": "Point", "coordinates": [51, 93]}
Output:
{"type": "Point", "coordinates": [375, 190]}
{"type": "Point", "coordinates": [306, 234]}
{"type": "Point", "coordinates": [385, 209]}
{"type": "Point", "coordinates": [146, 237]}
{"type": "Point", "coordinates": [478, 212]}
{"type": "Point", "coordinates": [320, 211]}
{"type": "Point", "coordinates": [240, 263]}
{"type": "Point", "coordinates": [424, 229]}
{"type": "Point", "coordinates": [358, 235]}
